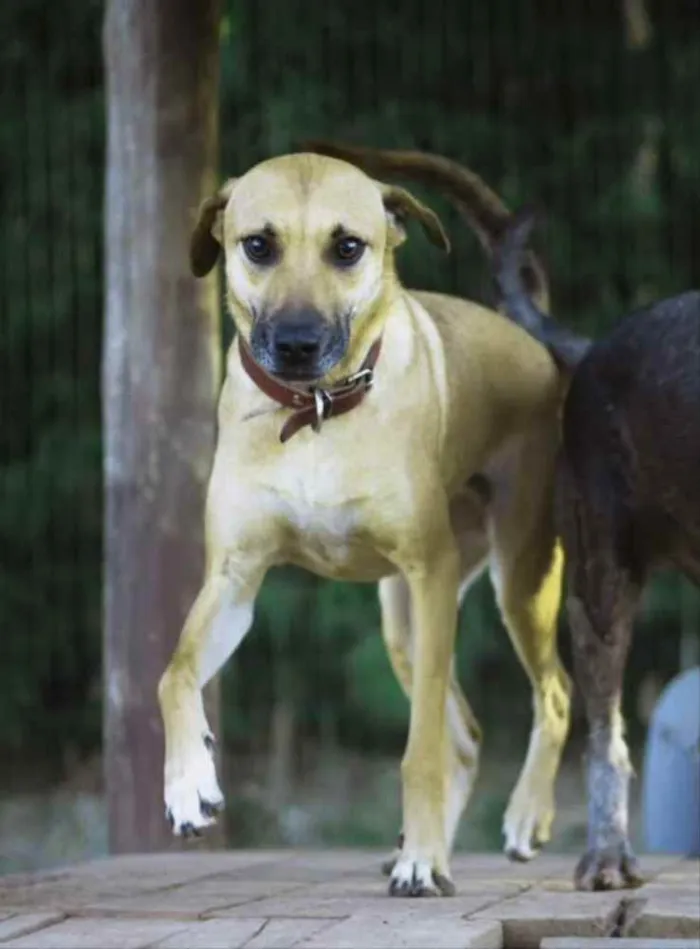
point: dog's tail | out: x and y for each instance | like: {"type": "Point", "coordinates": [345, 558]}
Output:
{"type": "Point", "coordinates": [566, 348]}
{"type": "Point", "coordinates": [481, 207]}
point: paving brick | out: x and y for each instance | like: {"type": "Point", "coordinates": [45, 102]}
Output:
{"type": "Point", "coordinates": [371, 887]}
{"type": "Point", "coordinates": [101, 882]}
{"type": "Point", "coordinates": [194, 899]}
{"type": "Point", "coordinates": [496, 866]}
{"type": "Point", "coordinates": [13, 925]}
{"type": "Point", "coordinates": [310, 904]}
{"type": "Point", "coordinates": [390, 932]}
{"type": "Point", "coordinates": [336, 860]}
{"type": "Point", "coordinates": [103, 933]}
{"type": "Point", "coordinates": [573, 942]}
{"type": "Point", "coordinates": [530, 917]}
{"type": "Point", "coordinates": [214, 934]}
{"type": "Point", "coordinates": [654, 865]}
{"type": "Point", "coordinates": [178, 865]}
{"type": "Point", "coordinates": [301, 873]}
{"type": "Point", "coordinates": [286, 933]}
{"type": "Point", "coordinates": [249, 932]}
{"type": "Point", "coordinates": [666, 913]}
{"type": "Point", "coordinates": [111, 877]}
{"type": "Point", "coordinates": [685, 873]}
{"type": "Point", "coordinates": [60, 896]}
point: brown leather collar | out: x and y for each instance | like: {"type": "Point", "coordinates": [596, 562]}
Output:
{"type": "Point", "coordinates": [313, 405]}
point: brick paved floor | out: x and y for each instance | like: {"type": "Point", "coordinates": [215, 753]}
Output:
{"type": "Point", "coordinates": [331, 899]}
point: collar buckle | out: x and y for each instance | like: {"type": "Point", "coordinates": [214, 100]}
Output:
{"type": "Point", "coordinates": [362, 375]}
{"type": "Point", "coordinates": [323, 406]}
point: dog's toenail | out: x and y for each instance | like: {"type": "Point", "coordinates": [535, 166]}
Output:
{"type": "Point", "coordinates": [208, 809]}
{"type": "Point", "coordinates": [515, 855]}
{"type": "Point", "coordinates": [189, 830]}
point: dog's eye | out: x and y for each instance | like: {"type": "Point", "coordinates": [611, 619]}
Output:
{"type": "Point", "coordinates": [259, 248]}
{"type": "Point", "coordinates": [348, 250]}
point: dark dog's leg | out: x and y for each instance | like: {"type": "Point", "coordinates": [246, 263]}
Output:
{"type": "Point", "coordinates": [603, 591]}
{"type": "Point", "coordinates": [609, 862]}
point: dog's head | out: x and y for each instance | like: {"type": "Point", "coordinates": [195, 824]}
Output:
{"type": "Point", "coordinates": [308, 244]}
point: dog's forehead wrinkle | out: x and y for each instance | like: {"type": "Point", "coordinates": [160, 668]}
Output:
{"type": "Point", "coordinates": [307, 197]}
{"type": "Point", "coordinates": [305, 173]}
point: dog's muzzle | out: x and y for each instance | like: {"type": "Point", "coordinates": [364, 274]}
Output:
{"type": "Point", "coordinates": [297, 345]}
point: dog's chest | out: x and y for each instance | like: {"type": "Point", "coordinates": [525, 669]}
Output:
{"type": "Point", "coordinates": [334, 542]}
{"type": "Point", "coordinates": [330, 529]}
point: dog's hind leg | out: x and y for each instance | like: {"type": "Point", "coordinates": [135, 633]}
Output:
{"type": "Point", "coordinates": [463, 728]}
{"type": "Point", "coordinates": [529, 604]}
{"type": "Point", "coordinates": [526, 571]}
{"type": "Point", "coordinates": [218, 621]}
{"type": "Point", "coordinates": [599, 655]}
{"type": "Point", "coordinates": [604, 585]}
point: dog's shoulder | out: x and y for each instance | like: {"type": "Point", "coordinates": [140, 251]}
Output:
{"type": "Point", "coordinates": [458, 314]}
{"type": "Point", "coordinates": [483, 332]}
{"type": "Point", "coordinates": [488, 359]}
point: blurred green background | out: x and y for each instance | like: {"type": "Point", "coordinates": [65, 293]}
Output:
{"type": "Point", "coordinates": [588, 109]}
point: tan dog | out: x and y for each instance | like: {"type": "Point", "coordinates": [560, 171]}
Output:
{"type": "Point", "coordinates": [436, 459]}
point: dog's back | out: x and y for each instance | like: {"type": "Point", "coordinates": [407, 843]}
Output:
{"type": "Point", "coordinates": [633, 407]}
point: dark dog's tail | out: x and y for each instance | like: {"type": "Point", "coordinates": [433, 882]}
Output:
{"type": "Point", "coordinates": [567, 348]}
{"type": "Point", "coordinates": [481, 207]}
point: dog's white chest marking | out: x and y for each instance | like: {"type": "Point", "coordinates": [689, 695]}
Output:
{"type": "Point", "coordinates": [326, 532]}
{"type": "Point", "coordinates": [328, 525]}
{"type": "Point", "coordinates": [328, 538]}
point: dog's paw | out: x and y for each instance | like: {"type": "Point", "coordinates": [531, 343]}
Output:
{"type": "Point", "coordinates": [192, 794]}
{"type": "Point", "coordinates": [610, 868]}
{"type": "Point", "coordinates": [412, 876]}
{"type": "Point", "coordinates": [527, 825]}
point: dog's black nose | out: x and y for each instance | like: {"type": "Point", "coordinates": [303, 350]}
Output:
{"type": "Point", "coordinates": [297, 343]}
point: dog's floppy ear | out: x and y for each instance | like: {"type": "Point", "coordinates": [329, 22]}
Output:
{"type": "Point", "coordinates": [400, 205]}
{"type": "Point", "coordinates": [207, 236]}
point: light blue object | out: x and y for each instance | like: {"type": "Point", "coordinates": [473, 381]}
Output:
{"type": "Point", "coordinates": [671, 773]}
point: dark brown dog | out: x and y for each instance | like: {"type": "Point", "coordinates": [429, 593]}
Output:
{"type": "Point", "coordinates": [628, 501]}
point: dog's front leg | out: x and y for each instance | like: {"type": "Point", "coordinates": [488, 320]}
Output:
{"type": "Point", "coordinates": [422, 868]}
{"type": "Point", "coordinates": [217, 622]}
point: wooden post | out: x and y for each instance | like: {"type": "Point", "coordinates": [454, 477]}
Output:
{"type": "Point", "coordinates": [161, 369]}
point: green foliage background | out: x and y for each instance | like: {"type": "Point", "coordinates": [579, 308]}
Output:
{"type": "Point", "coordinates": [544, 99]}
